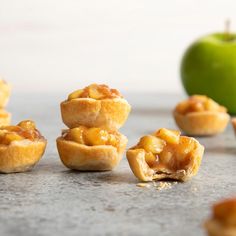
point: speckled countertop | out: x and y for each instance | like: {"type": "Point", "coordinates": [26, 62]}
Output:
{"type": "Point", "coordinates": [52, 200]}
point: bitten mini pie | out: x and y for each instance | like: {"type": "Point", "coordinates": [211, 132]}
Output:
{"type": "Point", "coordinates": [223, 220]}
{"type": "Point", "coordinates": [165, 155]}
{"type": "Point", "coordinates": [93, 149]}
{"type": "Point", "coordinates": [21, 147]}
{"type": "Point", "coordinates": [200, 115]}
{"type": "Point", "coordinates": [95, 106]}
{"type": "Point", "coordinates": [4, 93]}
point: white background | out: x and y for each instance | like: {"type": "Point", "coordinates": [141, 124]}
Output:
{"type": "Point", "coordinates": [133, 45]}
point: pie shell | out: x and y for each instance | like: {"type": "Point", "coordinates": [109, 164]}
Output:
{"type": "Point", "coordinates": [21, 156]}
{"type": "Point", "coordinates": [202, 123]}
{"type": "Point", "coordinates": [90, 158]}
{"type": "Point", "coordinates": [110, 114]}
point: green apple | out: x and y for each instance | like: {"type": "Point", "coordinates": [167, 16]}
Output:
{"type": "Point", "coordinates": [209, 67]}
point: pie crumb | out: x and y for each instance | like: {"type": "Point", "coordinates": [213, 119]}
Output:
{"type": "Point", "coordinates": [142, 185]}
{"type": "Point", "coordinates": [164, 185]}
{"type": "Point", "coordinates": [194, 189]}
{"type": "Point", "coordinates": [160, 185]}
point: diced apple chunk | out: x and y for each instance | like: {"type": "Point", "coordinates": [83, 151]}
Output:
{"type": "Point", "coordinates": [152, 144]}
{"type": "Point", "coordinates": [96, 136]}
{"type": "Point", "coordinates": [150, 158]}
{"type": "Point", "coordinates": [113, 140]}
{"type": "Point", "coordinates": [94, 92]}
{"type": "Point", "coordinates": [211, 105]}
{"type": "Point", "coordinates": [166, 157]}
{"type": "Point", "coordinates": [195, 106]}
{"type": "Point", "coordinates": [75, 94]}
{"type": "Point", "coordinates": [10, 137]}
{"type": "Point", "coordinates": [170, 136]}
{"type": "Point", "coordinates": [27, 124]}
{"type": "Point", "coordinates": [182, 107]}
{"type": "Point", "coordinates": [184, 148]}
{"type": "Point", "coordinates": [76, 135]}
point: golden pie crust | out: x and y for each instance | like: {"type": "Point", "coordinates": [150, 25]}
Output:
{"type": "Point", "coordinates": [144, 172]}
{"type": "Point", "coordinates": [5, 90]}
{"type": "Point", "coordinates": [202, 123]}
{"type": "Point", "coordinates": [20, 156]}
{"type": "Point", "coordinates": [90, 158]}
{"type": "Point", "coordinates": [223, 220]}
{"type": "Point", "coordinates": [106, 113]}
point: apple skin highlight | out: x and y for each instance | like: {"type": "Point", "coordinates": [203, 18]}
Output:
{"type": "Point", "coordinates": [209, 67]}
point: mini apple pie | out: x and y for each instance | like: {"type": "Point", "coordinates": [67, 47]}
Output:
{"type": "Point", "coordinates": [200, 115]}
{"type": "Point", "coordinates": [223, 220]}
{"type": "Point", "coordinates": [95, 106]}
{"type": "Point", "coordinates": [5, 118]}
{"type": "Point", "coordinates": [165, 155]}
{"type": "Point", "coordinates": [4, 93]}
{"type": "Point", "coordinates": [92, 149]}
{"type": "Point", "coordinates": [21, 147]}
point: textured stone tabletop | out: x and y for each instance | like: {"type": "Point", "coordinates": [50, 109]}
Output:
{"type": "Point", "coordinates": [52, 200]}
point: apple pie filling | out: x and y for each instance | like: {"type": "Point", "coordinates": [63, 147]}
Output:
{"type": "Point", "coordinates": [92, 136]}
{"type": "Point", "coordinates": [166, 151]}
{"type": "Point", "coordinates": [95, 91]}
{"type": "Point", "coordinates": [198, 103]}
{"type": "Point", "coordinates": [24, 130]}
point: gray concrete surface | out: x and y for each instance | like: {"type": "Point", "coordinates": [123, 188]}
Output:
{"type": "Point", "coordinates": [52, 200]}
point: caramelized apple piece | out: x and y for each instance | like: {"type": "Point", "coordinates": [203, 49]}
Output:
{"type": "Point", "coordinates": [113, 140]}
{"type": "Point", "coordinates": [211, 105]}
{"type": "Point", "coordinates": [75, 94]}
{"type": "Point", "coordinates": [10, 137]}
{"type": "Point", "coordinates": [75, 134]}
{"type": "Point", "coordinates": [96, 136]}
{"type": "Point", "coordinates": [115, 92]}
{"type": "Point", "coordinates": [170, 136]}
{"type": "Point", "coordinates": [95, 91]}
{"type": "Point", "coordinates": [195, 106]}
{"type": "Point", "coordinates": [175, 156]}
{"type": "Point", "coordinates": [166, 157]}
{"type": "Point", "coordinates": [12, 128]}
{"type": "Point", "coordinates": [151, 143]}
{"type": "Point", "coordinates": [27, 124]}
{"type": "Point", "coordinates": [182, 107]}
{"type": "Point", "coordinates": [24, 130]}
{"type": "Point", "coordinates": [151, 159]}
